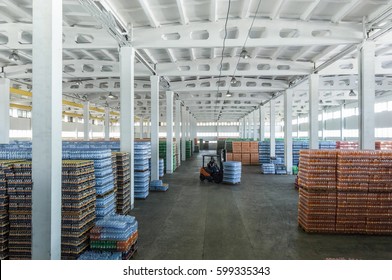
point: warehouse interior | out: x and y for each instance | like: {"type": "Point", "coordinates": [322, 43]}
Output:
{"type": "Point", "coordinates": [146, 88]}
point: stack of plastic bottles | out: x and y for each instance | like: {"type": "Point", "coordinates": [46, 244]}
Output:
{"type": "Point", "coordinates": [347, 145]}
{"type": "Point", "coordinates": [264, 152]}
{"type": "Point", "coordinates": [280, 169]}
{"type": "Point", "coordinates": [20, 188]}
{"type": "Point", "coordinates": [114, 168]}
{"type": "Point", "coordinates": [383, 145]}
{"type": "Point", "coordinates": [14, 153]}
{"type": "Point", "coordinates": [142, 169]}
{"type": "Point", "coordinates": [123, 183]}
{"type": "Point", "coordinates": [279, 149]}
{"type": "Point", "coordinates": [268, 168]}
{"type": "Point", "coordinates": [115, 233]}
{"type": "Point", "coordinates": [100, 256]}
{"type": "Point", "coordinates": [106, 200]}
{"type": "Point", "coordinates": [78, 207]}
{"type": "Point", "coordinates": [161, 167]}
{"type": "Point", "coordinates": [158, 186]}
{"type": "Point", "coordinates": [4, 222]}
{"type": "Point", "coordinates": [297, 146]}
{"type": "Point", "coordinates": [232, 172]}
{"type": "Point", "coordinates": [327, 145]}
{"type": "Point", "coordinates": [277, 160]}
{"type": "Point", "coordinates": [188, 148]}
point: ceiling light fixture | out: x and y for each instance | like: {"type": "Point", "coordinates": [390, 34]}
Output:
{"type": "Point", "coordinates": [244, 54]}
{"type": "Point", "coordinates": [229, 94]}
{"type": "Point", "coordinates": [111, 96]}
{"type": "Point", "coordinates": [233, 81]}
{"type": "Point", "coordinates": [352, 93]}
{"type": "Point", "coordinates": [14, 56]}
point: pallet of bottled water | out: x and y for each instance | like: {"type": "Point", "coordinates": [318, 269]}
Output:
{"type": "Point", "coordinates": [100, 256]}
{"type": "Point", "coordinates": [158, 186]}
{"type": "Point", "coordinates": [161, 167]}
{"type": "Point", "coordinates": [280, 169]}
{"type": "Point", "coordinates": [232, 172]}
{"type": "Point", "coordinates": [141, 184]}
{"type": "Point", "coordinates": [264, 152]}
{"type": "Point", "coordinates": [268, 168]}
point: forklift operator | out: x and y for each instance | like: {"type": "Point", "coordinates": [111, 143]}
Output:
{"type": "Point", "coordinates": [212, 166]}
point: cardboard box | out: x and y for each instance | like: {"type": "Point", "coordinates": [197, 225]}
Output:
{"type": "Point", "coordinates": [229, 157]}
{"type": "Point", "coordinates": [254, 159]}
{"type": "Point", "coordinates": [236, 147]}
{"type": "Point", "coordinates": [245, 147]}
{"type": "Point", "coordinates": [245, 159]}
{"type": "Point", "coordinates": [254, 147]}
{"type": "Point", "coordinates": [237, 157]}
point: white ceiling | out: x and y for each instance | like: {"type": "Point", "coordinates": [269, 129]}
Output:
{"type": "Point", "coordinates": [184, 39]}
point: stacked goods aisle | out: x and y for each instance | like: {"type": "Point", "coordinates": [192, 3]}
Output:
{"type": "Point", "coordinates": [115, 234]}
{"type": "Point", "coordinates": [384, 145]}
{"type": "Point", "coordinates": [317, 195]}
{"type": "Point", "coordinates": [78, 207]}
{"type": "Point", "coordinates": [20, 188]}
{"type": "Point", "coordinates": [106, 198]}
{"type": "Point", "coordinates": [142, 169]}
{"type": "Point", "coordinates": [123, 198]}
{"type": "Point", "coordinates": [347, 194]}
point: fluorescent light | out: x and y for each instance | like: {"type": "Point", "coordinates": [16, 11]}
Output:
{"type": "Point", "coordinates": [244, 54]}
{"type": "Point", "coordinates": [233, 81]}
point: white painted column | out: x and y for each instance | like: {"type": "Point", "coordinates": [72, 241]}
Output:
{"type": "Point", "coordinates": [323, 124]}
{"type": "Point", "coordinates": [262, 123]}
{"type": "Point", "coordinates": [240, 128]}
{"type": "Point", "coordinates": [107, 123]}
{"type": "Point", "coordinates": [366, 96]}
{"type": "Point", "coordinates": [247, 126]}
{"type": "Point", "coordinates": [46, 128]}
{"type": "Point", "coordinates": [4, 111]}
{"type": "Point", "coordinates": [272, 128]}
{"type": "Point", "coordinates": [183, 133]}
{"type": "Point", "coordinates": [313, 111]}
{"type": "Point", "coordinates": [217, 129]}
{"type": "Point", "coordinates": [86, 120]}
{"type": "Point", "coordinates": [342, 122]}
{"type": "Point", "coordinates": [243, 127]}
{"type": "Point", "coordinates": [178, 128]}
{"type": "Point", "coordinates": [154, 127]}
{"type": "Point", "coordinates": [255, 117]}
{"type": "Point", "coordinates": [141, 128]}
{"type": "Point", "coordinates": [169, 130]}
{"type": "Point", "coordinates": [127, 112]}
{"type": "Point", "coordinates": [288, 130]}
{"type": "Point", "coordinates": [298, 126]}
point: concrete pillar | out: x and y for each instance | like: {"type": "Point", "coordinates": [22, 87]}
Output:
{"type": "Point", "coordinates": [217, 130]}
{"type": "Point", "coordinates": [127, 112]}
{"type": "Point", "coordinates": [288, 130]}
{"type": "Point", "coordinates": [272, 128]}
{"type": "Point", "coordinates": [46, 128]}
{"type": "Point", "coordinates": [154, 127]}
{"type": "Point", "coordinates": [141, 127]}
{"type": "Point", "coordinates": [313, 111]}
{"type": "Point", "coordinates": [4, 111]}
{"type": "Point", "coordinates": [183, 133]}
{"type": "Point", "coordinates": [107, 123]}
{"type": "Point", "coordinates": [323, 124]}
{"type": "Point", "coordinates": [262, 123]}
{"type": "Point", "coordinates": [178, 128]}
{"type": "Point", "coordinates": [366, 95]}
{"type": "Point", "coordinates": [255, 117]}
{"type": "Point", "coordinates": [298, 126]}
{"type": "Point", "coordinates": [169, 130]}
{"type": "Point", "coordinates": [86, 120]}
{"type": "Point", "coordinates": [342, 121]}
{"type": "Point", "coordinates": [247, 126]}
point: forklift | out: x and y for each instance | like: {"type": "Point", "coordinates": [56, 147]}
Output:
{"type": "Point", "coordinates": [212, 170]}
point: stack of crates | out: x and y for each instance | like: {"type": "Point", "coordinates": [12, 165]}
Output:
{"type": "Point", "coordinates": [317, 194]}
{"type": "Point", "coordinates": [162, 154]}
{"type": "Point", "coordinates": [116, 233]}
{"type": "Point", "coordinates": [279, 149]}
{"type": "Point", "coordinates": [161, 167]}
{"type": "Point", "coordinates": [347, 145]}
{"type": "Point", "coordinates": [188, 149]}
{"type": "Point", "coordinates": [264, 152]}
{"type": "Point", "coordinates": [4, 221]}
{"type": "Point", "coordinates": [78, 207]}
{"type": "Point", "coordinates": [142, 169]}
{"type": "Point", "coordinates": [20, 186]}
{"type": "Point", "coordinates": [268, 168]}
{"type": "Point", "coordinates": [383, 145]}
{"type": "Point", "coordinates": [123, 196]}
{"type": "Point", "coordinates": [299, 145]}
{"type": "Point", "coordinates": [114, 168]}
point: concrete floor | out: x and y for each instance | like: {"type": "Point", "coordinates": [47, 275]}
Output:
{"type": "Point", "coordinates": [254, 220]}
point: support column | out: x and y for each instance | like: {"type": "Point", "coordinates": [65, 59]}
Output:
{"type": "Point", "coordinates": [141, 127]}
{"type": "Point", "coordinates": [4, 111]}
{"type": "Point", "coordinates": [342, 126]}
{"type": "Point", "coordinates": [366, 96]}
{"type": "Point", "coordinates": [288, 130]}
{"type": "Point", "coordinates": [262, 122]}
{"type": "Point", "coordinates": [243, 127]}
{"type": "Point", "coordinates": [107, 123]}
{"type": "Point", "coordinates": [154, 127]}
{"type": "Point", "coordinates": [183, 133]}
{"type": "Point", "coordinates": [46, 127]}
{"type": "Point", "coordinates": [127, 117]}
{"type": "Point", "coordinates": [169, 130]}
{"type": "Point", "coordinates": [217, 130]}
{"type": "Point", "coordinates": [247, 126]}
{"type": "Point", "coordinates": [272, 128]}
{"type": "Point", "coordinates": [313, 111]}
{"type": "Point", "coordinates": [178, 128]}
{"type": "Point", "coordinates": [323, 124]}
{"type": "Point", "coordinates": [255, 117]}
{"type": "Point", "coordinates": [298, 127]}
{"type": "Point", "coordinates": [86, 120]}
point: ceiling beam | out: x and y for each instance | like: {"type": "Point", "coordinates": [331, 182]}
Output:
{"type": "Point", "coordinates": [109, 55]}
{"type": "Point", "coordinates": [345, 10]}
{"type": "Point", "coordinates": [170, 52]}
{"type": "Point", "coordinates": [214, 11]}
{"type": "Point", "coordinates": [181, 9]}
{"type": "Point", "coordinates": [245, 8]}
{"type": "Point", "coordinates": [147, 10]}
{"type": "Point", "coordinates": [277, 9]}
{"type": "Point", "coordinates": [17, 9]}
{"type": "Point", "coordinates": [309, 10]}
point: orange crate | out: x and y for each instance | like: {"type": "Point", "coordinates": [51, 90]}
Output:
{"type": "Point", "coordinates": [237, 157]}
{"type": "Point", "coordinates": [254, 159]}
{"type": "Point", "coordinates": [245, 159]}
{"type": "Point", "coordinates": [229, 156]}
{"type": "Point", "coordinates": [237, 147]}
{"type": "Point", "coordinates": [245, 146]}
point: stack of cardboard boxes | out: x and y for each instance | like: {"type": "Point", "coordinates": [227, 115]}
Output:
{"type": "Point", "coordinates": [245, 152]}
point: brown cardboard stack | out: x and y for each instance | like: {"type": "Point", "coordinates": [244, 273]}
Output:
{"type": "Point", "coordinates": [246, 152]}
{"type": "Point", "coordinates": [384, 145]}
